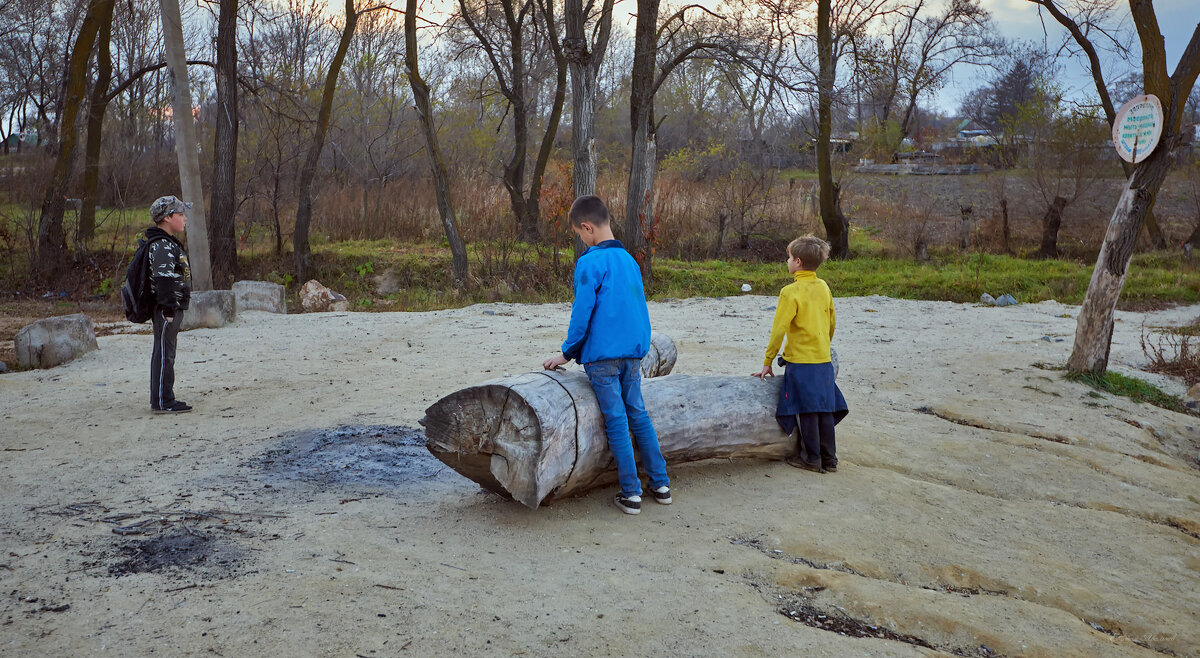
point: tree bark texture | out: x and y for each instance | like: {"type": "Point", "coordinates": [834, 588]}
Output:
{"type": "Point", "coordinates": [639, 200]}
{"type": "Point", "coordinates": [837, 228]}
{"type": "Point", "coordinates": [1093, 329]}
{"type": "Point", "coordinates": [584, 65]}
{"type": "Point", "coordinates": [222, 228]}
{"type": "Point", "coordinates": [437, 165]}
{"type": "Point", "coordinates": [540, 436]}
{"type": "Point", "coordinates": [302, 255]}
{"type": "Point", "coordinates": [52, 252]}
{"type": "Point", "coordinates": [1051, 223]}
{"type": "Point", "coordinates": [97, 108]}
{"type": "Point", "coordinates": [187, 148]}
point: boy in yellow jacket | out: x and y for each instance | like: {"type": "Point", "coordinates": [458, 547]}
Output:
{"type": "Point", "coordinates": [809, 399]}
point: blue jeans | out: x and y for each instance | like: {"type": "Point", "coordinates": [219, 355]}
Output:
{"type": "Point", "coordinates": [618, 387]}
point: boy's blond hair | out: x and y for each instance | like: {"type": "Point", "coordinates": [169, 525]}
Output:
{"type": "Point", "coordinates": [811, 250]}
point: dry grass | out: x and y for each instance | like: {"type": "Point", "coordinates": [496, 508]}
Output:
{"type": "Point", "coordinates": [1174, 351]}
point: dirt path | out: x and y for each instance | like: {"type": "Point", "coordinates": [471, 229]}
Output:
{"type": "Point", "coordinates": [984, 505]}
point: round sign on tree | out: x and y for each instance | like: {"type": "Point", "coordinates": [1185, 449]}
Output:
{"type": "Point", "coordinates": [1137, 127]}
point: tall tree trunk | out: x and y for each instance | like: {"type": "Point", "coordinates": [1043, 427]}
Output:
{"type": "Point", "coordinates": [302, 256]}
{"type": "Point", "coordinates": [1051, 222]}
{"type": "Point", "coordinates": [222, 229]}
{"type": "Point", "coordinates": [1004, 230]}
{"type": "Point", "coordinates": [441, 182]}
{"type": "Point", "coordinates": [585, 68]}
{"type": "Point", "coordinates": [837, 227]}
{"type": "Point", "coordinates": [639, 202]}
{"type": "Point", "coordinates": [555, 118]}
{"type": "Point", "coordinates": [52, 253]}
{"type": "Point", "coordinates": [187, 148]}
{"type": "Point", "coordinates": [96, 111]}
{"type": "Point", "coordinates": [1093, 331]}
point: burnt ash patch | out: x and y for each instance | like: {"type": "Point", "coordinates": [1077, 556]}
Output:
{"type": "Point", "coordinates": [181, 549]}
{"type": "Point", "coordinates": [375, 456]}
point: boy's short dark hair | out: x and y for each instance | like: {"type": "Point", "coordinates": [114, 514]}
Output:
{"type": "Point", "coordinates": [811, 250]}
{"type": "Point", "coordinates": [588, 208]}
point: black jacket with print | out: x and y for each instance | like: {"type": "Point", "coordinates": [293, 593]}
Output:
{"type": "Point", "coordinates": [170, 277]}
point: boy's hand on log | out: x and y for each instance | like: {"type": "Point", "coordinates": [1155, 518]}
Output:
{"type": "Point", "coordinates": [766, 372]}
{"type": "Point", "coordinates": [554, 362]}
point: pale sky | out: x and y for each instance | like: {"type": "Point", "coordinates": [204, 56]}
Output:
{"type": "Point", "coordinates": [1014, 19]}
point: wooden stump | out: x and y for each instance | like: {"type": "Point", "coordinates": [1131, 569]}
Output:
{"type": "Point", "coordinates": [540, 436]}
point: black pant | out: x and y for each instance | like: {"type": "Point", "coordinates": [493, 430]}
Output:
{"type": "Point", "coordinates": [816, 438]}
{"type": "Point", "coordinates": [162, 362]}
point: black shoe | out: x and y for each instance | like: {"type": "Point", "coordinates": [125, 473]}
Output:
{"type": "Point", "coordinates": [800, 463]}
{"type": "Point", "coordinates": [662, 495]}
{"type": "Point", "coordinates": [831, 468]}
{"type": "Point", "coordinates": [175, 407]}
{"type": "Point", "coordinates": [630, 505]}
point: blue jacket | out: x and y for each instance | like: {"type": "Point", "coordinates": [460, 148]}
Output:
{"type": "Point", "coordinates": [609, 319]}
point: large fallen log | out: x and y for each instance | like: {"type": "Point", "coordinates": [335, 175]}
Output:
{"type": "Point", "coordinates": [540, 436]}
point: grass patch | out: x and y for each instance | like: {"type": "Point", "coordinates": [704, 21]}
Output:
{"type": "Point", "coordinates": [1132, 388]}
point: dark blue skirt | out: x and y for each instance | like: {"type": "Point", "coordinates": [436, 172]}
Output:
{"type": "Point", "coordinates": [808, 388]}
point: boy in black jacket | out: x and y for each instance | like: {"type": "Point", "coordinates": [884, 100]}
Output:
{"type": "Point", "coordinates": [170, 283]}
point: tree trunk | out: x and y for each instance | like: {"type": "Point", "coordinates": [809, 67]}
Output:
{"type": "Point", "coordinates": [639, 200]}
{"type": "Point", "coordinates": [660, 359]}
{"type": "Point", "coordinates": [1051, 222]}
{"type": "Point", "coordinates": [52, 255]}
{"type": "Point", "coordinates": [584, 66]}
{"type": "Point", "coordinates": [95, 129]}
{"type": "Point", "coordinates": [441, 181]}
{"type": "Point", "coordinates": [964, 227]}
{"type": "Point", "coordinates": [223, 229]}
{"type": "Point", "coordinates": [1193, 240]}
{"type": "Point", "coordinates": [837, 228]}
{"type": "Point", "coordinates": [1004, 229]}
{"type": "Point", "coordinates": [302, 256]}
{"type": "Point", "coordinates": [540, 436]}
{"type": "Point", "coordinates": [1093, 330]}
{"type": "Point", "coordinates": [187, 148]}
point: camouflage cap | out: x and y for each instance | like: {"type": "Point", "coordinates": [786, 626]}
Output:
{"type": "Point", "coordinates": [166, 205]}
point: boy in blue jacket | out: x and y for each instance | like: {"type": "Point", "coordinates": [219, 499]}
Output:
{"type": "Point", "coordinates": [609, 334]}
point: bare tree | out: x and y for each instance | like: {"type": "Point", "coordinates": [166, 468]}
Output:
{"type": "Point", "coordinates": [1093, 333]}
{"type": "Point", "coordinates": [437, 165]}
{"type": "Point", "coordinates": [921, 45]}
{"type": "Point", "coordinates": [186, 145]}
{"type": "Point", "coordinates": [52, 245]}
{"type": "Point", "coordinates": [680, 39]}
{"type": "Point", "coordinates": [513, 40]}
{"type": "Point", "coordinates": [1084, 20]}
{"type": "Point", "coordinates": [301, 253]}
{"type": "Point", "coordinates": [223, 206]}
{"type": "Point", "coordinates": [584, 62]}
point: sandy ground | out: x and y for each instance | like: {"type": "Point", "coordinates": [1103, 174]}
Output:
{"type": "Point", "coordinates": [984, 505]}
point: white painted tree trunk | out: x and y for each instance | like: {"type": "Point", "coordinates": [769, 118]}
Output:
{"type": "Point", "coordinates": [187, 148]}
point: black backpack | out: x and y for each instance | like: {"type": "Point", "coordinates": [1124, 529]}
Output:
{"type": "Point", "coordinates": [136, 294]}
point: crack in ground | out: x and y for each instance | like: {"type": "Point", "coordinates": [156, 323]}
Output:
{"type": "Point", "coordinates": [1148, 517]}
{"type": "Point", "coordinates": [979, 425]}
{"type": "Point", "coordinates": [800, 606]}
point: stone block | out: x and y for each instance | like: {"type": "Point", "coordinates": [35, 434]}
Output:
{"type": "Point", "coordinates": [260, 296]}
{"type": "Point", "coordinates": [54, 341]}
{"type": "Point", "coordinates": [210, 309]}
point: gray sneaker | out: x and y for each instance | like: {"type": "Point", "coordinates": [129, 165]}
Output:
{"type": "Point", "coordinates": [662, 495]}
{"type": "Point", "coordinates": [630, 504]}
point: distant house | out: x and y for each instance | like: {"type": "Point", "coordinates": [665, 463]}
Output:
{"type": "Point", "coordinates": [21, 139]}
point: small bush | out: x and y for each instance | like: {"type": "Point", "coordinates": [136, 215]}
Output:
{"type": "Point", "coordinates": [1176, 351]}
